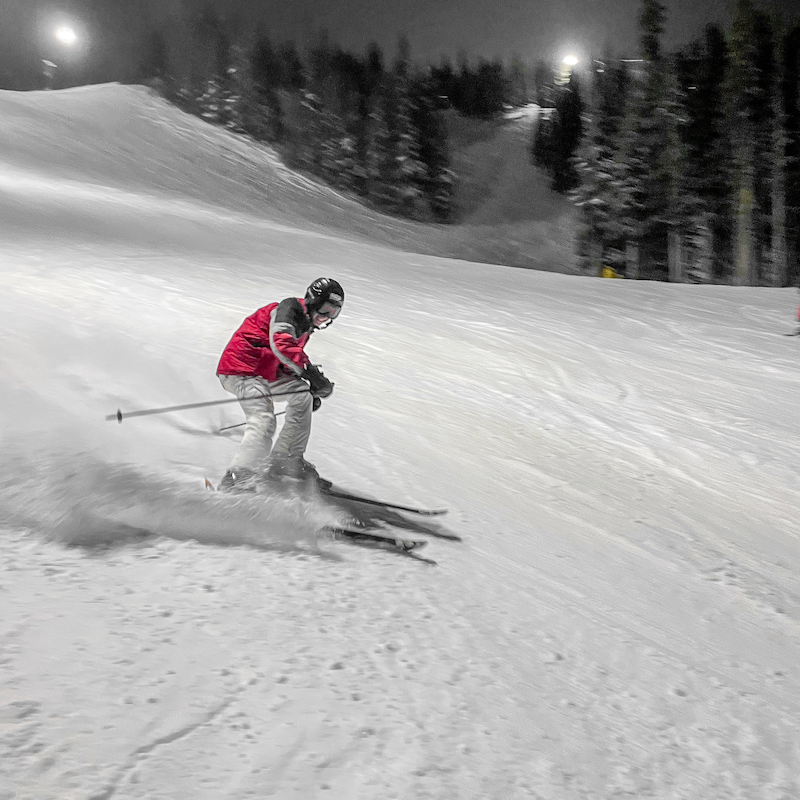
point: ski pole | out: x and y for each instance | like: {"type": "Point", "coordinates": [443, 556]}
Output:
{"type": "Point", "coordinates": [237, 425]}
{"type": "Point", "coordinates": [241, 424]}
{"type": "Point", "coordinates": [119, 416]}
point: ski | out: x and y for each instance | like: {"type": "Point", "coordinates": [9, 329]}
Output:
{"type": "Point", "coordinates": [377, 539]}
{"type": "Point", "coordinates": [357, 498]}
{"type": "Point", "coordinates": [793, 333]}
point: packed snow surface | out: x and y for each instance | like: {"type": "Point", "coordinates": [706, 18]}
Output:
{"type": "Point", "coordinates": [621, 619]}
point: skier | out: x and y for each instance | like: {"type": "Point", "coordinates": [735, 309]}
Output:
{"type": "Point", "coordinates": [265, 359]}
{"type": "Point", "coordinates": [797, 331]}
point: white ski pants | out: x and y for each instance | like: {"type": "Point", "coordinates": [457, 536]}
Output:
{"type": "Point", "coordinates": [255, 396]}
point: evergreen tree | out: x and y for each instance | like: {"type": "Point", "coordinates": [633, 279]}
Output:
{"type": "Point", "coordinates": [356, 125]}
{"type": "Point", "coordinates": [602, 196]}
{"type": "Point", "coordinates": [265, 113]}
{"type": "Point", "coordinates": [321, 141]}
{"type": "Point", "coordinates": [769, 173]}
{"type": "Point", "coordinates": [464, 96]}
{"type": "Point", "coordinates": [215, 104]}
{"type": "Point", "coordinates": [648, 150]}
{"type": "Point", "coordinates": [248, 95]}
{"type": "Point", "coordinates": [652, 17]}
{"type": "Point", "coordinates": [544, 81]}
{"type": "Point", "coordinates": [320, 61]}
{"type": "Point", "coordinates": [203, 65]}
{"type": "Point", "coordinates": [374, 70]}
{"type": "Point", "coordinates": [445, 81]}
{"type": "Point", "coordinates": [516, 83]}
{"type": "Point", "coordinates": [569, 110]}
{"type": "Point", "coordinates": [396, 172]}
{"type": "Point", "coordinates": [293, 74]}
{"type": "Point", "coordinates": [778, 174]}
{"type": "Point", "coordinates": [543, 139]}
{"type": "Point", "coordinates": [558, 136]}
{"type": "Point", "coordinates": [750, 88]}
{"type": "Point", "coordinates": [437, 182]}
{"type": "Point", "coordinates": [790, 91]}
{"type": "Point", "coordinates": [265, 66]}
{"type": "Point", "coordinates": [154, 65]}
{"type": "Point", "coordinates": [489, 89]}
{"type": "Point", "coordinates": [707, 174]}
{"type": "Point", "coordinates": [240, 94]}
{"type": "Point", "coordinates": [372, 78]}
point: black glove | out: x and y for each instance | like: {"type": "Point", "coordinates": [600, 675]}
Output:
{"type": "Point", "coordinates": [316, 403]}
{"type": "Point", "coordinates": [320, 385]}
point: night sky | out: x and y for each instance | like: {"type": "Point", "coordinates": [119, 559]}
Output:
{"type": "Point", "coordinates": [531, 28]}
{"type": "Point", "coordinates": [111, 30]}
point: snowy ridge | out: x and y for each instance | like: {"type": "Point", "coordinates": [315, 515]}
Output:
{"type": "Point", "coordinates": [620, 458]}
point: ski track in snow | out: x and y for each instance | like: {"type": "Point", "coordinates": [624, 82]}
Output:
{"type": "Point", "coordinates": [621, 459]}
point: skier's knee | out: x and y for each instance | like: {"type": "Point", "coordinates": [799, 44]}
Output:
{"type": "Point", "coordinates": [302, 402]}
{"type": "Point", "coordinates": [263, 423]}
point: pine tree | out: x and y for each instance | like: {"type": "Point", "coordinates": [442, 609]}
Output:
{"type": "Point", "coordinates": [611, 91]}
{"type": "Point", "coordinates": [489, 89]}
{"type": "Point", "coordinates": [396, 172]}
{"type": "Point", "coordinates": [651, 20]}
{"type": "Point", "coordinates": [215, 103]}
{"type": "Point", "coordinates": [516, 82]}
{"type": "Point", "coordinates": [445, 83]}
{"type": "Point", "coordinates": [205, 30]}
{"type": "Point", "coordinates": [368, 87]}
{"type": "Point", "coordinates": [240, 91]}
{"type": "Point", "coordinates": [602, 196]}
{"type": "Point", "coordinates": [750, 86]}
{"type": "Point", "coordinates": [438, 181]}
{"type": "Point", "coordinates": [544, 80]}
{"type": "Point", "coordinates": [264, 116]}
{"type": "Point", "coordinates": [558, 136]}
{"type": "Point", "coordinates": [648, 153]}
{"type": "Point", "coordinates": [790, 74]}
{"type": "Point", "coordinates": [465, 95]}
{"type": "Point", "coordinates": [569, 110]}
{"type": "Point", "coordinates": [154, 64]}
{"type": "Point", "coordinates": [778, 176]}
{"type": "Point", "coordinates": [292, 70]}
{"type": "Point", "coordinates": [706, 180]}
{"type": "Point", "coordinates": [544, 139]}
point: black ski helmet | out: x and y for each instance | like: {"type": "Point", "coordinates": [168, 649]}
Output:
{"type": "Point", "coordinates": [324, 290]}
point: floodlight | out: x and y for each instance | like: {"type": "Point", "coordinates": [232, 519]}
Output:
{"type": "Point", "coordinates": [66, 35]}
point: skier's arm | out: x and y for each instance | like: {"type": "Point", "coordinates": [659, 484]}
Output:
{"type": "Point", "coordinates": [286, 328]}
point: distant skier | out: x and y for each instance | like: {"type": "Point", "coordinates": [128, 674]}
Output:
{"type": "Point", "coordinates": [265, 358]}
{"type": "Point", "coordinates": [796, 331]}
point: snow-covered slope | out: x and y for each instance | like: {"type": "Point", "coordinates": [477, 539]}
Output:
{"type": "Point", "coordinates": [506, 209]}
{"type": "Point", "coordinates": [150, 157]}
{"type": "Point", "coordinates": [621, 619]}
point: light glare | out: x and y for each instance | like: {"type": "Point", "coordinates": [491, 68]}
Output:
{"type": "Point", "coordinates": [66, 35]}
{"type": "Point", "coordinates": [570, 61]}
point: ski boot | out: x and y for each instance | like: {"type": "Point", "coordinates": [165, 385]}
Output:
{"type": "Point", "coordinates": [238, 481]}
{"type": "Point", "coordinates": [310, 473]}
{"type": "Point", "coordinates": [296, 471]}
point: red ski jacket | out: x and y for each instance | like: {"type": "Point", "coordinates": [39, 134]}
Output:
{"type": "Point", "coordinates": [269, 344]}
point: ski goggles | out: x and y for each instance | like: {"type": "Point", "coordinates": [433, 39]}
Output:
{"type": "Point", "coordinates": [329, 310]}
